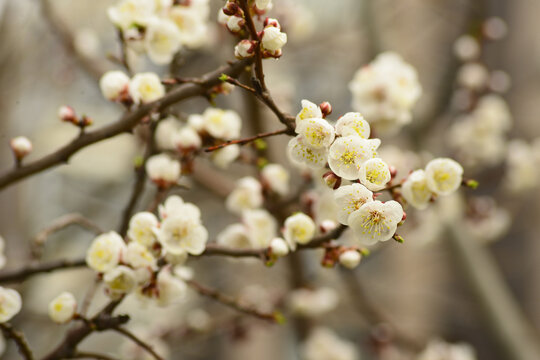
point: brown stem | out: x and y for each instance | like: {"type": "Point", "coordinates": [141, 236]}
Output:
{"type": "Point", "coordinates": [125, 124]}
{"type": "Point", "coordinates": [25, 272]}
{"type": "Point", "coordinates": [138, 341]}
{"type": "Point", "coordinates": [247, 140]}
{"type": "Point", "coordinates": [19, 339]}
{"type": "Point", "coordinates": [230, 302]}
{"type": "Point", "coordinates": [91, 355]}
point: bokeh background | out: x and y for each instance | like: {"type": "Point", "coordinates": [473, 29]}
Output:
{"type": "Point", "coordinates": [421, 286]}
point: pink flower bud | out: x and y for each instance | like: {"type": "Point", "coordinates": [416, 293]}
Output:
{"type": "Point", "coordinates": [271, 22]}
{"type": "Point", "coordinates": [20, 146]}
{"type": "Point", "coordinates": [67, 114]}
{"type": "Point", "coordinates": [326, 108]}
{"type": "Point", "coordinates": [332, 180]}
{"type": "Point", "coordinates": [231, 8]}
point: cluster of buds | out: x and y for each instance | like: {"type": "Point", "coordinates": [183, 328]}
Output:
{"type": "Point", "coordinates": [67, 114]}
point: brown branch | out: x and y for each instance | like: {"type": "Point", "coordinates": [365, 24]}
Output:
{"type": "Point", "coordinates": [124, 124]}
{"type": "Point", "coordinates": [59, 224]}
{"type": "Point", "coordinates": [247, 140]}
{"type": "Point", "coordinates": [232, 303]}
{"type": "Point", "coordinates": [91, 355]}
{"type": "Point", "coordinates": [138, 341]}
{"type": "Point", "coordinates": [259, 72]}
{"type": "Point", "coordinates": [19, 339]}
{"type": "Point", "coordinates": [102, 321]}
{"type": "Point", "coordinates": [21, 274]}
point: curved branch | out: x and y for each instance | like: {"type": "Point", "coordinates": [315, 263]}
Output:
{"type": "Point", "coordinates": [19, 339]}
{"type": "Point", "coordinates": [125, 124]}
{"type": "Point", "coordinates": [25, 272]}
{"type": "Point", "coordinates": [138, 341]}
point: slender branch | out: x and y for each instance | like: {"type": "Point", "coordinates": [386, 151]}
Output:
{"type": "Point", "coordinates": [138, 341]}
{"type": "Point", "coordinates": [26, 271]}
{"type": "Point", "coordinates": [124, 124]}
{"type": "Point", "coordinates": [247, 140]}
{"type": "Point", "coordinates": [100, 322]}
{"type": "Point", "coordinates": [19, 339]}
{"type": "Point", "coordinates": [59, 224]}
{"type": "Point", "coordinates": [91, 355]}
{"type": "Point", "coordinates": [259, 72]}
{"type": "Point", "coordinates": [232, 303]}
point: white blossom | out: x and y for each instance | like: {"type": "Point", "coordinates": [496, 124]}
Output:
{"type": "Point", "coordinates": [473, 76]}
{"type": "Point", "coordinates": [235, 23]}
{"type": "Point", "coordinates": [105, 252]}
{"type": "Point", "coordinates": [350, 258]}
{"type": "Point", "coordinates": [162, 41]}
{"type": "Point", "coordinates": [176, 206]}
{"type": "Point", "coordinates": [163, 170]}
{"type": "Point", "coordinates": [437, 349]}
{"type": "Point", "coordinates": [187, 139]}
{"type": "Point", "coordinates": [119, 281]}
{"type": "Point", "coordinates": [522, 171]}
{"type": "Point", "coordinates": [385, 92]}
{"type": "Point", "coordinates": [298, 228]}
{"type": "Point", "coordinates": [10, 304]}
{"type": "Point", "coordinates": [128, 13]}
{"type": "Point", "coordinates": [375, 221]}
{"type": "Point", "coordinates": [142, 228]}
{"type": "Point", "coordinates": [139, 256]}
{"type": "Point", "coordinates": [113, 84]}
{"type": "Point", "coordinates": [309, 111]}
{"type": "Point", "coordinates": [246, 195]}
{"type": "Point", "coordinates": [261, 227]}
{"type": "Point", "coordinates": [347, 154]}
{"type": "Point", "coordinates": [316, 302]}
{"type": "Point", "coordinates": [273, 39]}
{"type": "Point", "coordinates": [145, 88]}
{"type": "Point", "coordinates": [350, 198]}
{"type": "Point", "coordinates": [276, 177]}
{"type": "Point", "coordinates": [415, 189]}
{"type": "Point", "coordinates": [223, 157]}
{"type": "Point", "coordinates": [353, 123]}
{"type": "Point", "coordinates": [375, 174]}
{"type": "Point", "coordinates": [165, 132]}
{"type": "Point", "coordinates": [222, 124]}
{"type": "Point", "coordinates": [171, 289]}
{"type": "Point", "coordinates": [316, 133]}
{"type": "Point", "coordinates": [178, 234]}
{"type": "Point", "coordinates": [301, 153]}
{"type": "Point", "coordinates": [443, 176]}
{"type": "Point", "coordinates": [466, 48]}
{"type": "Point", "coordinates": [235, 236]}
{"type": "Point", "coordinates": [279, 247]}
{"type": "Point", "coordinates": [324, 344]}
{"type": "Point", "coordinates": [62, 308]}
{"type": "Point", "coordinates": [244, 49]}
{"type": "Point", "coordinates": [192, 23]}
{"type": "Point", "coordinates": [263, 4]}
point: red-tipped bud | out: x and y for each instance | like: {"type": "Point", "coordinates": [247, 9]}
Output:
{"type": "Point", "coordinates": [326, 108]}
{"type": "Point", "coordinates": [327, 226]}
{"type": "Point", "coordinates": [20, 146]}
{"type": "Point", "coordinates": [393, 171]}
{"type": "Point", "coordinates": [231, 8]}
{"type": "Point", "coordinates": [271, 22]}
{"type": "Point", "coordinates": [67, 114]}
{"type": "Point", "coordinates": [332, 180]}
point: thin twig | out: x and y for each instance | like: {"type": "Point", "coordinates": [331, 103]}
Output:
{"type": "Point", "coordinates": [138, 341]}
{"type": "Point", "coordinates": [247, 140]}
{"type": "Point", "coordinates": [27, 271]}
{"type": "Point", "coordinates": [59, 224]}
{"type": "Point", "coordinates": [232, 303]}
{"type": "Point", "coordinates": [91, 355]}
{"type": "Point", "coordinates": [125, 124]}
{"type": "Point", "coordinates": [19, 339]}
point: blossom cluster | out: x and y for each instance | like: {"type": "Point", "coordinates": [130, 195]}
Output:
{"type": "Point", "coordinates": [141, 89]}
{"type": "Point", "coordinates": [150, 263]}
{"type": "Point", "coordinates": [272, 39]}
{"type": "Point", "coordinates": [161, 28]}
{"type": "Point", "coordinates": [385, 92]}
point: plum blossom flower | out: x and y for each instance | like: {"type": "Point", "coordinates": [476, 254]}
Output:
{"type": "Point", "coordinates": [279, 247]}
{"type": "Point", "coordinates": [276, 177]}
{"type": "Point", "coordinates": [128, 13]}
{"type": "Point", "coordinates": [62, 308]}
{"type": "Point", "coordinates": [415, 189]}
{"type": "Point", "coordinates": [10, 304]}
{"type": "Point", "coordinates": [444, 176]}
{"type": "Point", "coordinates": [350, 198]}
{"type": "Point", "coordinates": [246, 195]}
{"type": "Point", "coordinates": [182, 234]}
{"type": "Point", "coordinates": [145, 88]}
{"type": "Point", "coordinates": [171, 289]}
{"type": "Point", "coordinates": [273, 39]}
{"type": "Point", "coordinates": [309, 111]}
{"type": "Point", "coordinates": [261, 227]}
{"type": "Point", "coordinates": [376, 221]}
{"type": "Point", "coordinates": [302, 154]}
{"type": "Point", "coordinates": [138, 256]}
{"type": "Point", "coordinates": [324, 344]}
{"type": "Point", "coordinates": [162, 40]}
{"type": "Point", "coordinates": [374, 174]}
{"type": "Point", "coordinates": [113, 84]}
{"type": "Point", "coordinates": [347, 154]}
{"type": "Point", "coordinates": [223, 157]}
{"type": "Point", "coordinates": [119, 281]}
{"type": "Point", "coordinates": [353, 123]}
{"type": "Point", "coordinates": [316, 133]}
{"type": "Point", "coordinates": [105, 252]}
{"type": "Point", "coordinates": [163, 170]}
{"type": "Point", "coordinates": [298, 228]}
{"type": "Point", "coordinates": [222, 124]}
{"type": "Point", "coordinates": [176, 206]}
{"type": "Point", "coordinates": [350, 258]}
{"type": "Point", "coordinates": [235, 236]}
{"type": "Point", "coordinates": [142, 228]}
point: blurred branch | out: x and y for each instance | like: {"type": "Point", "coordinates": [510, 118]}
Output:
{"type": "Point", "coordinates": [372, 313]}
{"type": "Point", "coordinates": [19, 339]}
{"type": "Point", "coordinates": [232, 303]}
{"type": "Point", "coordinates": [26, 271]}
{"type": "Point", "coordinates": [91, 355]}
{"type": "Point", "coordinates": [94, 66]}
{"type": "Point", "coordinates": [125, 124]}
{"type": "Point", "coordinates": [508, 323]}
{"type": "Point", "coordinates": [138, 341]}
{"type": "Point", "coordinates": [100, 322]}
{"type": "Point", "coordinates": [247, 140]}
{"type": "Point", "coordinates": [59, 224]}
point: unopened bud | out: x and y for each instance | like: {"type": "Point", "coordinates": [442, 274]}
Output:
{"type": "Point", "coordinates": [67, 114]}
{"type": "Point", "coordinates": [235, 23]}
{"type": "Point", "coordinates": [85, 121]}
{"type": "Point", "coordinates": [404, 216]}
{"type": "Point", "coordinates": [326, 108]}
{"type": "Point", "coordinates": [279, 247]}
{"type": "Point", "coordinates": [332, 180]}
{"type": "Point", "coordinates": [271, 22]}
{"type": "Point", "coordinates": [473, 184]}
{"type": "Point", "coordinates": [230, 9]}
{"type": "Point", "coordinates": [327, 226]}
{"type": "Point", "coordinates": [20, 146]}
{"type": "Point", "coordinates": [350, 258]}
{"type": "Point", "coordinates": [393, 171]}
{"type": "Point", "coordinates": [244, 49]}
{"type": "Point", "coordinates": [398, 238]}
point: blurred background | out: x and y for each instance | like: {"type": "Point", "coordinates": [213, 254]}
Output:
{"type": "Point", "coordinates": [422, 287]}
